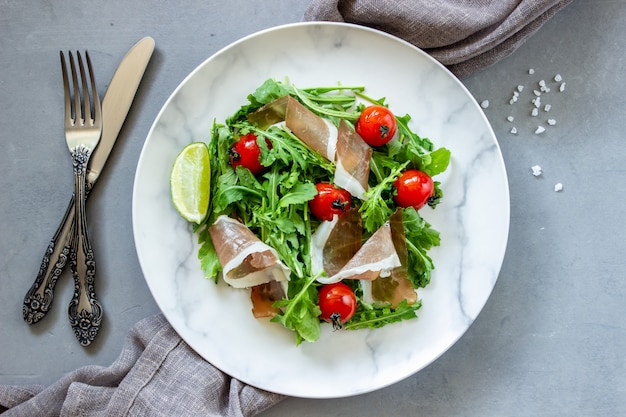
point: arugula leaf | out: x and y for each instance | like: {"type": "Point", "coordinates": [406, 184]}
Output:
{"type": "Point", "coordinates": [378, 205]}
{"type": "Point", "coordinates": [370, 316]}
{"type": "Point", "coordinates": [299, 194]}
{"type": "Point", "coordinates": [300, 312]}
{"type": "Point", "coordinates": [209, 262]}
{"type": "Point", "coordinates": [436, 162]}
{"type": "Point", "coordinates": [420, 237]}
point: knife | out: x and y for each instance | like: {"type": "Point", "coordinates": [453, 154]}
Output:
{"type": "Point", "coordinates": [115, 106]}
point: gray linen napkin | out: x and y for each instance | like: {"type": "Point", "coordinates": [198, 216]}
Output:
{"type": "Point", "coordinates": [156, 374]}
{"type": "Point", "coordinates": [464, 35]}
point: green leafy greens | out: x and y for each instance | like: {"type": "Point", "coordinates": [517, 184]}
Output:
{"type": "Point", "coordinates": [274, 205]}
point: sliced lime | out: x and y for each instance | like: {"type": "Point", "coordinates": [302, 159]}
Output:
{"type": "Point", "coordinates": [190, 182]}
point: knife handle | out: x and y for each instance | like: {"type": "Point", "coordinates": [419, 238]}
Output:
{"type": "Point", "coordinates": [85, 311]}
{"type": "Point", "coordinates": [38, 299]}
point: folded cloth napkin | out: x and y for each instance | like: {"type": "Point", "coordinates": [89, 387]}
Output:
{"type": "Point", "coordinates": [156, 374]}
{"type": "Point", "coordinates": [464, 35]}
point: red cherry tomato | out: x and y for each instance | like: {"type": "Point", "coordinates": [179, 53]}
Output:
{"type": "Point", "coordinates": [414, 188]}
{"type": "Point", "coordinates": [376, 125]}
{"type": "Point", "coordinates": [338, 303]}
{"type": "Point", "coordinates": [329, 200]}
{"type": "Point", "coordinates": [246, 152]}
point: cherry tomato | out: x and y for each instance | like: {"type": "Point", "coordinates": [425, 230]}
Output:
{"type": "Point", "coordinates": [329, 200]}
{"type": "Point", "coordinates": [246, 152]}
{"type": "Point", "coordinates": [338, 303]}
{"type": "Point", "coordinates": [414, 188]}
{"type": "Point", "coordinates": [376, 125]}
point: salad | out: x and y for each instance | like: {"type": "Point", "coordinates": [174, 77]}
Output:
{"type": "Point", "coordinates": [314, 208]}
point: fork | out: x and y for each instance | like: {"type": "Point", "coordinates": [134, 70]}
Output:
{"type": "Point", "coordinates": [82, 133]}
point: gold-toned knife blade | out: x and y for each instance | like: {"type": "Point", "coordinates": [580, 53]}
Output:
{"type": "Point", "coordinates": [115, 106]}
{"type": "Point", "coordinates": [117, 101]}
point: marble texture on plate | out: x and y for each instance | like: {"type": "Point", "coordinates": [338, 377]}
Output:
{"type": "Point", "coordinates": [473, 218]}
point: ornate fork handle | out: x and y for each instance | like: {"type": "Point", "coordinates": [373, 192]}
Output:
{"type": "Point", "coordinates": [85, 311]}
{"type": "Point", "coordinates": [38, 299]}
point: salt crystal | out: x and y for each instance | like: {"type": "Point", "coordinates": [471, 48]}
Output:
{"type": "Point", "coordinates": [542, 83]}
{"type": "Point", "coordinates": [551, 122]}
{"type": "Point", "coordinates": [515, 94]}
{"type": "Point", "coordinates": [531, 71]}
{"type": "Point", "coordinates": [536, 170]}
{"type": "Point", "coordinates": [540, 129]}
{"type": "Point", "coordinates": [520, 88]}
{"type": "Point", "coordinates": [537, 93]}
{"type": "Point", "coordinates": [513, 130]}
{"type": "Point", "coordinates": [534, 112]}
{"type": "Point", "coordinates": [562, 87]}
{"type": "Point", "coordinates": [510, 118]}
{"type": "Point", "coordinates": [558, 78]}
{"type": "Point", "coordinates": [547, 107]}
{"type": "Point", "coordinates": [484, 104]}
{"type": "Point", "coordinates": [558, 187]}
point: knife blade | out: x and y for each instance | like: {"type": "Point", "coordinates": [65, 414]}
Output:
{"type": "Point", "coordinates": [115, 106]}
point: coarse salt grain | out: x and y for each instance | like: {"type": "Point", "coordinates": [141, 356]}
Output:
{"type": "Point", "coordinates": [510, 118]}
{"type": "Point", "coordinates": [520, 88]}
{"type": "Point", "coordinates": [547, 107]}
{"type": "Point", "coordinates": [534, 112]}
{"type": "Point", "coordinates": [537, 93]}
{"type": "Point", "coordinates": [551, 122]}
{"type": "Point", "coordinates": [558, 187]}
{"type": "Point", "coordinates": [558, 78]}
{"type": "Point", "coordinates": [484, 104]}
{"type": "Point", "coordinates": [531, 71]}
{"type": "Point", "coordinates": [562, 87]}
{"type": "Point", "coordinates": [513, 130]}
{"type": "Point", "coordinates": [540, 129]}
{"type": "Point", "coordinates": [536, 170]}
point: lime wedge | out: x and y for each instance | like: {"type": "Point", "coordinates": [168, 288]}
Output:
{"type": "Point", "coordinates": [190, 182]}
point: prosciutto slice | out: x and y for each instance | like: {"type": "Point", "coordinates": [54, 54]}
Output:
{"type": "Point", "coordinates": [263, 297]}
{"type": "Point", "coordinates": [246, 261]}
{"type": "Point", "coordinates": [377, 257]}
{"type": "Point", "coordinates": [316, 132]}
{"type": "Point", "coordinates": [353, 161]}
{"type": "Point", "coordinates": [396, 287]}
{"type": "Point", "coordinates": [335, 242]}
{"type": "Point", "coordinates": [269, 114]}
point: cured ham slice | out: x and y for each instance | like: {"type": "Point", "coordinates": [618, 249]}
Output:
{"type": "Point", "coordinates": [263, 297]}
{"type": "Point", "coordinates": [246, 261]}
{"type": "Point", "coordinates": [397, 287]}
{"type": "Point", "coordinates": [335, 242]}
{"type": "Point", "coordinates": [353, 161]}
{"type": "Point", "coordinates": [317, 133]}
{"type": "Point", "coordinates": [269, 114]}
{"type": "Point", "coordinates": [377, 257]}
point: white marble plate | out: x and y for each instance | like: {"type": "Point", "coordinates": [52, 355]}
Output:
{"type": "Point", "coordinates": [473, 218]}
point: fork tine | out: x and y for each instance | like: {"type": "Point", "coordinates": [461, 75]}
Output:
{"type": "Point", "coordinates": [86, 105]}
{"type": "Point", "coordinates": [78, 115]}
{"type": "Point", "coordinates": [94, 91]}
{"type": "Point", "coordinates": [66, 89]}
